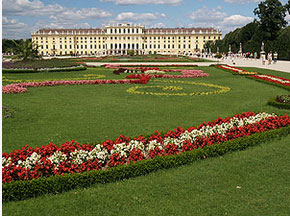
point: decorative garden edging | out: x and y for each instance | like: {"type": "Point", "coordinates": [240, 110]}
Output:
{"type": "Point", "coordinates": [22, 87]}
{"type": "Point", "coordinates": [19, 190]}
{"type": "Point", "coordinates": [176, 89]}
{"type": "Point", "coordinates": [236, 70]}
{"type": "Point", "coordinates": [27, 70]}
{"type": "Point", "coordinates": [85, 77]}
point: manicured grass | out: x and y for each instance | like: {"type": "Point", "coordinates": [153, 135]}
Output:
{"type": "Point", "coordinates": [250, 182]}
{"type": "Point", "coordinates": [96, 113]}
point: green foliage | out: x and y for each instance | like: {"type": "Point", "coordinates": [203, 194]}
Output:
{"type": "Point", "coordinates": [8, 46]}
{"type": "Point", "coordinates": [20, 190]}
{"type": "Point", "coordinates": [271, 14]}
{"type": "Point", "coordinates": [26, 49]}
{"type": "Point", "coordinates": [273, 102]}
{"type": "Point", "coordinates": [69, 69]}
{"type": "Point", "coordinates": [130, 52]}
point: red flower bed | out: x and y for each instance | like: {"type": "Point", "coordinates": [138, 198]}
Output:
{"type": "Point", "coordinates": [273, 79]}
{"type": "Point", "coordinates": [22, 87]}
{"type": "Point", "coordinates": [71, 157]}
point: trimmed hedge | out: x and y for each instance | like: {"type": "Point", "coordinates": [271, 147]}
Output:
{"type": "Point", "coordinates": [20, 190]}
{"type": "Point", "coordinates": [78, 68]}
{"type": "Point", "coordinates": [273, 102]}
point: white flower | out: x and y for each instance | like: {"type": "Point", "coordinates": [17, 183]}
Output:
{"type": "Point", "coordinates": [57, 158]}
{"type": "Point", "coordinates": [30, 161]}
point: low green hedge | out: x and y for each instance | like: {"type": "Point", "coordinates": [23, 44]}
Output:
{"type": "Point", "coordinates": [273, 102]}
{"type": "Point", "coordinates": [80, 68]}
{"type": "Point", "coordinates": [20, 190]}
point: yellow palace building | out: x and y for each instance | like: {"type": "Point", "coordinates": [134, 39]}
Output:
{"type": "Point", "coordinates": [119, 39]}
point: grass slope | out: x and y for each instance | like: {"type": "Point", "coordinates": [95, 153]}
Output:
{"type": "Point", "coordinates": [250, 182]}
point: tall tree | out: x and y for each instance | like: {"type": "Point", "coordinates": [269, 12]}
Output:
{"type": "Point", "coordinates": [271, 14]}
{"type": "Point", "coordinates": [26, 49]}
{"type": "Point", "coordinates": [288, 6]}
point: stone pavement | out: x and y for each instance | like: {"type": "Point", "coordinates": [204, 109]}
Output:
{"type": "Point", "coordinates": [283, 66]}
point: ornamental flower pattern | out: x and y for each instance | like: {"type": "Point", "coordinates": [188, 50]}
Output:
{"type": "Point", "coordinates": [71, 157]}
{"type": "Point", "coordinates": [22, 87]}
{"type": "Point", "coordinates": [236, 70]}
{"type": "Point", "coordinates": [273, 79]}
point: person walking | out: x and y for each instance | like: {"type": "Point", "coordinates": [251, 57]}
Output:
{"type": "Point", "coordinates": [269, 57]}
{"type": "Point", "coordinates": [263, 57]}
{"type": "Point", "coordinates": [255, 55]}
{"type": "Point", "coordinates": [275, 57]}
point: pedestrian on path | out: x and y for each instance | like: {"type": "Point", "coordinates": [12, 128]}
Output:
{"type": "Point", "coordinates": [263, 57]}
{"type": "Point", "coordinates": [269, 57]}
{"type": "Point", "coordinates": [275, 57]}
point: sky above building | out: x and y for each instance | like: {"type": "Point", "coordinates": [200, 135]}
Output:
{"type": "Point", "coordinates": [21, 17]}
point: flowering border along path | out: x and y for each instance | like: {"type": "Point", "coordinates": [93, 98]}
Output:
{"type": "Point", "coordinates": [71, 157]}
{"type": "Point", "coordinates": [22, 87]}
{"type": "Point", "coordinates": [155, 72]}
{"type": "Point", "coordinates": [274, 80]}
{"type": "Point", "coordinates": [236, 70]}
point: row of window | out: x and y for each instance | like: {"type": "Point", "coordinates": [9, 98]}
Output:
{"type": "Point", "coordinates": [125, 31]}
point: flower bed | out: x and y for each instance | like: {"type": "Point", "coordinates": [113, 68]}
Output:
{"type": "Point", "coordinates": [281, 102]}
{"type": "Point", "coordinates": [22, 87]}
{"type": "Point", "coordinates": [236, 70]}
{"type": "Point", "coordinates": [71, 157]}
{"type": "Point", "coordinates": [136, 89]}
{"type": "Point", "coordinates": [116, 66]}
{"type": "Point", "coordinates": [273, 79]}
{"type": "Point", "coordinates": [85, 77]}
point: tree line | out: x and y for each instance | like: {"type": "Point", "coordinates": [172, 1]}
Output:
{"type": "Point", "coordinates": [270, 28]}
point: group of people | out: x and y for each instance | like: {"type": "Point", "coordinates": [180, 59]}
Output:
{"type": "Point", "coordinates": [270, 57]}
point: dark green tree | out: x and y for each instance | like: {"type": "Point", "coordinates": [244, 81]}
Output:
{"type": "Point", "coordinates": [271, 14]}
{"type": "Point", "coordinates": [26, 49]}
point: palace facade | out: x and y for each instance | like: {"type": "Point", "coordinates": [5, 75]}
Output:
{"type": "Point", "coordinates": [119, 39]}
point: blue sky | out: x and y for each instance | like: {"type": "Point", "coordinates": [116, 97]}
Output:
{"type": "Point", "coordinates": [21, 17]}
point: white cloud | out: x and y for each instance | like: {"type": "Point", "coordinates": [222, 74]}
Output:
{"type": "Point", "coordinates": [29, 8]}
{"type": "Point", "coordinates": [125, 16]}
{"type": "Point", "coordinates": [141, 2]}
{"type": "Point", "coordinates": [241, 1]}
{"type": "Point", "coordinates": [206, 15]}
{"type": "Point", "coordinates": [12, 28]}
{"type": "Point", "coordinates": [236, 20]}
{"type": "Point", "coordinates": [216, 18]}
{"type": "Point", "coordinates": [158, 25]}
{"type": "Point", "coordinates": [84, 13]}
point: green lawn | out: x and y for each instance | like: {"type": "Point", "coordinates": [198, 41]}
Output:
{"type": "Point", "coordinates": [94, 113]}
{"type": "Point", "coordinates": [250, 182]}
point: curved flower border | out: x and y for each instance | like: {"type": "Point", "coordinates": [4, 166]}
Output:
{"type": "Point", "coordinates": [22, 87]}
{"type": "Point", "coordinates": [236, 70]}
{"type": "Point", "coordinates": [273, 79]}
{"type": "Point", "coordinates": [71, 157]}
{"type": "Point", "coordinates": [222, 89]}
{"type": "Point", "coordinates": [86, 77]}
